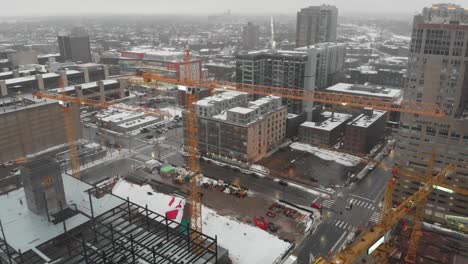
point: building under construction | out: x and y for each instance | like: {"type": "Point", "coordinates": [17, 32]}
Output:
{"type": "Point", "coordinates": [60, 219]}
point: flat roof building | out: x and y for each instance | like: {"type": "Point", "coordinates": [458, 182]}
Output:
{"type": "Point", "coordinates": [365, 131]}
{"type": "Point", "coordinates": [235, 128]}
{"type": "Point", "coordinates": [30, 125]}
{"type": "Point", "coordinates": [326, 131]}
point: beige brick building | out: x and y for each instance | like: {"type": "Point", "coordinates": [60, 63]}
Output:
{"type": "Point", "coordinates": [29, 125]}
{"type": "Point", "coordinates": [234, 128]}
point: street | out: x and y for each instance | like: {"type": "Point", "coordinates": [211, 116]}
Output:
{"type": "Point", "coordinates": [331, 234]}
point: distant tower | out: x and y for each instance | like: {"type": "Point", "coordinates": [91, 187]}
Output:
{"type": "Point", "coordinates": [316, 24]}
{"type": "Point", "coordinates": [43, 186]}
{"type": "Point", "coordinates": [75, 46]}
{"type": "Point", "coordinates": [251, 35]}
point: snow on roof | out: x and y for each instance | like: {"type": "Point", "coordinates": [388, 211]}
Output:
{"type": "Point", "coordinates": [329, 124]}
{"type": "Point", "coordinates": [241, 110]}
{"type": "Point", "coordinates": [139, 122]}
{"type": "Point", "coordinates": [364, 120]}
{"type": "Point", "coordinates": [368, 90]}
{"type": "Point", "coordinates": [25, 230]}
{"type": "Point", "coordinates": [88, 65]}
{"type": "Point", "coordinates": [12, 104]}
{"type": "Point", "coordinates": [30, 78]}
{"type": "Point", "coordinates": [70, 72]}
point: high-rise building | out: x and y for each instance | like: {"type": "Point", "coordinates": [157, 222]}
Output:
{"type": "Point", "coordinates": [438, 74]}
{"type": "Point", "coordinates": [312, 68]}
{"type": "Point", "coordinates": [75, 47]}
{"type": "Point", "coordinates": [316, 24]}
{"type": "Point", "coordinates": [250, 36]}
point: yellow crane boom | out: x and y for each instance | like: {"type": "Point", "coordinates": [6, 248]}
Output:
{"type": "Point", "coordinates": [348, 255]}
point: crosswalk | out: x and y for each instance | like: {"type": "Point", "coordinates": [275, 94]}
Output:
{"type": "Point", "coordinates": [360, 203]}
{"type": "Point", "coordinates": [328, 203]}
{"type": "Point", "coordinates": [342, 224]}
{"type": "Point", "coordinates": [375, 217]}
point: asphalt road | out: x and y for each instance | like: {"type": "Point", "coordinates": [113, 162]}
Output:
{"type": "Point", "coordinates": [339, 222]}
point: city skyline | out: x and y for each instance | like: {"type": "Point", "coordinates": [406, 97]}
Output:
{"type": "Point", "coordinates": [56, 7]}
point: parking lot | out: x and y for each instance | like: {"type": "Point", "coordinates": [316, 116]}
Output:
{"type": "Point", "coordinates": [307, 168]}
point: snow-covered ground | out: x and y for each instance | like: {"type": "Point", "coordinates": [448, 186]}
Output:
{"type": "Point", "coordinates": [325, 154]}
{"type": "Point", "coordinates": [246, 243]}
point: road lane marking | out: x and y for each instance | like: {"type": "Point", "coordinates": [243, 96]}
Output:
{"type": "Point", "coordinates": [338, 242]}
{"type": "Point", "coordinates": [364, 198]}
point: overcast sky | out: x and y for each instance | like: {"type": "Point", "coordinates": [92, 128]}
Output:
{"type": "Point", "coordinates": [23, 7]}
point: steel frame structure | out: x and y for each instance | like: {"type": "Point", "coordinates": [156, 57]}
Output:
{"type": "Point", "coordinates": [123, 234]}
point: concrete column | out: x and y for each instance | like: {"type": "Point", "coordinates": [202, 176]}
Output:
{"type": "Point", "coordinates": [106, 72]}
{"type": "Point", "coordinates": [79, 91]}
{"type": "Point", "coordinates": [101, 91]}
{"type": "Point", "coordinates": [40, 82]}
{"type": "Point", "coordinates": [63, 75]}
{"type": "Point", "coordinates": [86, 75]}
{"type": "Point", "coordinates": [3, 88]}
{"type": "Point", "coordinates": [16, 74]}
{"type": "Point", "coordinates": [123, 87]}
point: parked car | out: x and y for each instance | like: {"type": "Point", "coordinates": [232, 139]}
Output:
{"type": "Point", "coordinates": [8, 163]}
{"type": "Point", "coordinates": [284, 183]}
{"type": "Point", "coordinates": [15, 171]}
{"type": "Point", "coordinates": [371, 166]}
{"type": "Point", "coordinates": [144, 130]}
{"type": "Point", "coordinates": [272, 227]}
{"type": "Point", "coordinates": [316, 205]}
{"type": "Point", "coordinates": [149, 137]}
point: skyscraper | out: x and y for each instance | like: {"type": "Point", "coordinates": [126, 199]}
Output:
{"type": "Point", "coordinates": [312, 68]}
{"type": "Point", "coordinates": [438, 74]}
{"type": "Point", "coordinates": [250, 36]}
{"type": "Point", "coordinates": [75, 47]}
{"type": "Point", "coordinates": [316, 24]}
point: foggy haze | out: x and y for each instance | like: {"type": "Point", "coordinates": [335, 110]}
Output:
{"type": "Point", "coordinates": [44, 7]}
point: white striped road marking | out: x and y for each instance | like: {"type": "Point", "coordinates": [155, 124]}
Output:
{"type": "Point", "coordinates": [342, 224]}
{"type": "Point", "coordinates": [364, 198]}
{"type": "Point", "coordinates": [352, 201]}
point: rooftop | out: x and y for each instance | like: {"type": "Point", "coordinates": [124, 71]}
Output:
{"type": "Point", "coordinates": [18, 103]}
{"type": "Point", "coordinates": [241, 110]}
{"type": "Point", "coordinates": [333, 121]}
{"type": "Point", "coordinates": [31, 78]}
{"type": "Point", "coordinates": [365, 120]}
{"type": "Point", "coordinates": [367, 90]}
{"type": "Point", "coordinates": [42, 241]}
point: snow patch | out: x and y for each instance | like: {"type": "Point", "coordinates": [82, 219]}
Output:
{"type": "Point", "coordinates": [344, 159]}
{"type": "Point", "coordinates": [246, 243]}
{"type": "Point", "coordinates": [173, 111]}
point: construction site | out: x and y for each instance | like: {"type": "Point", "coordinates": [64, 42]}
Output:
{"type": "Point", "coordinates": [164, 162]}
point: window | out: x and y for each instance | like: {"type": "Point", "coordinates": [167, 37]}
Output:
{"type": "Point", "coordinates": [430, 131]}
{"type": "Point", "coordinates": [443, 133]}
{"type": "Point", "coordinates": [47, 181]}
{"type": "Point", "coordinates": [455, 136]}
